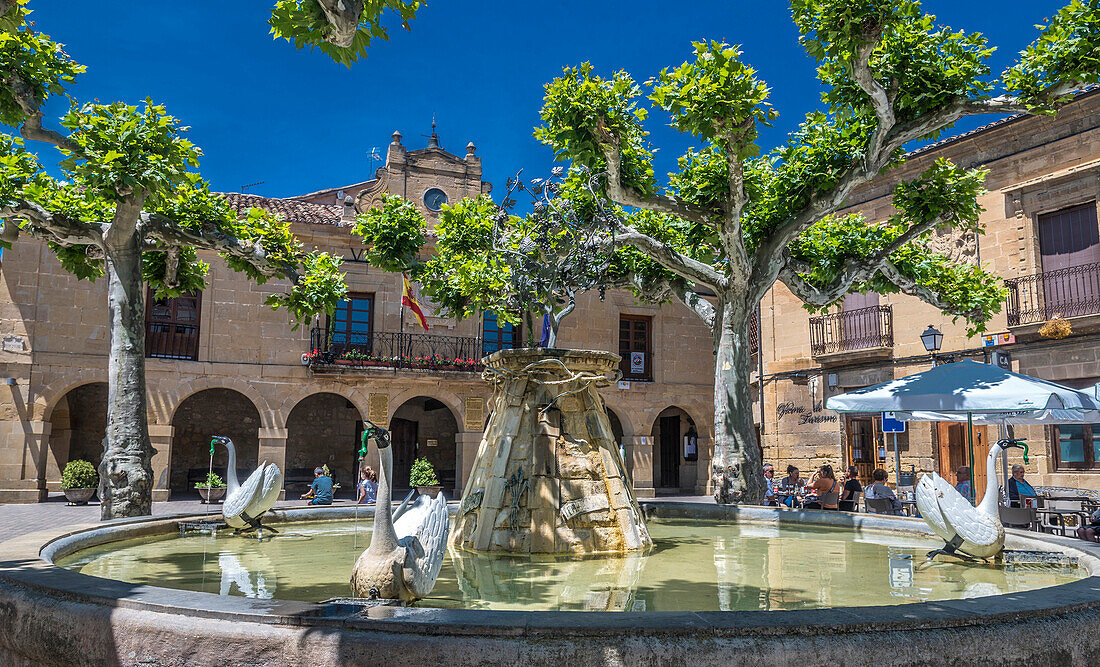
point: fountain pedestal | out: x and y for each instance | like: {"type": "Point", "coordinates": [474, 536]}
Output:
{"type": "Point", "coordinates": [548, 477]}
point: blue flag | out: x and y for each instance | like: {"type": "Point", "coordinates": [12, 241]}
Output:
{"type": "Point", "coordinates": [545, 342]}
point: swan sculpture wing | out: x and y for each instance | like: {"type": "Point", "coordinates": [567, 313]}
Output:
{"type": "Point", "coordinates": [930, 508]}
{"type": "Point", "coordinates": [982, 535]}
{"type": "Point", "coordinates": [237, 503]}
{"type": "Point", "coordinates": [423, 531]}
{"type": "Point", "coordinates": [268, 492]}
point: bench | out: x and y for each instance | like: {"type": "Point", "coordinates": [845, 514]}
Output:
{"type": "Point", "coordinates": [298, 477]}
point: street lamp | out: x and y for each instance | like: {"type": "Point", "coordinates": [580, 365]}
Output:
{"type": "Point", "coordinates": [932, 339]}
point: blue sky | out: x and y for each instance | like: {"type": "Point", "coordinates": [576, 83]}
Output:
{"type": "Point", "coordinates": [295, 120]}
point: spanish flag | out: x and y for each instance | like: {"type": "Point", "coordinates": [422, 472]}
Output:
{"type": "Point", "coordinates": [409, 300]}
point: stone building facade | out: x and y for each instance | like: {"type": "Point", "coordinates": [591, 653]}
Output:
{"type": "Point", "coordinates": [221, 362]}
{"type": "Point", "coordinates": [1041, 237]}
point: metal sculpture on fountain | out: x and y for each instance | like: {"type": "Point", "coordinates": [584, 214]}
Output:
{"type": "Point", "coordinates": [970, 532]}
{"type": "Point", "coordinates": [404, 556]}
{"type": "Point", "coordinates": [246, 504]}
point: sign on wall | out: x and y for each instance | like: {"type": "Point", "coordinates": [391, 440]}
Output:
{"type": "Point", "coordinates": [637, 362]}
{"type": "Point", "coordinates": [379, 408]}
{"type": "Point", "coordinates": [475, 413]}
{"type": "Point", "coordinates": [890, 424]}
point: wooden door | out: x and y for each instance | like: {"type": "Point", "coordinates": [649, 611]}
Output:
{"type": "Point", "coordinates": [670, 452]}
{"type": "Point", "coordinates": [953, 453]}
{"type": "Point", "coordinates": [403, 434]}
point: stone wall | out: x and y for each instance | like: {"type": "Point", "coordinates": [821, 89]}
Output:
{"type": "Point", "coordinates": [321, 430]}
{"type": "Point", "coordinates": [206, 414]}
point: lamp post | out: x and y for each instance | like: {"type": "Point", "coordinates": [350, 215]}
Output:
{"type": "Point", "coordinates": [932, 339]}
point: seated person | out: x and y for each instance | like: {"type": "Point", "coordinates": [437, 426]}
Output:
{"type": "Point", "coordinates": [769, 485]}
{"type": "Point", "coordinates": [320, 492]}
{"type": "Point", "coordinates": [368, 486]}
{"type": "Point", "coordinates": [878, 489]}
{"type": "Point", "coordinates": [1088, 531]}
{"type": "Point", "coordinates": [794, 483]}
{"type": "Point", "coordinates": [962, 482]}
{"type": "Point", "coordinates": [824, 482]}
{"type": "Point", "coordinates": [852, 488]}
{"type": "Point", "coordinates": [1018, 486]}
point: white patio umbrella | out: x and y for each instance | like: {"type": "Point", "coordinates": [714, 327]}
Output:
{"type": "Point", "coordinates": [982, 392]}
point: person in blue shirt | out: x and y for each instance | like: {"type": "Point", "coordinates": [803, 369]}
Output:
{"type": "Point", "coordinates": [368, 486]}
{"type": "Point", "coordinates": [320, 492]}
{"type": "Point", "coordinates": [769, 484]}
{"type": "Point", "coordinates": [1018, 486]}
{"type": "Point", "coordinates": [962, 476]}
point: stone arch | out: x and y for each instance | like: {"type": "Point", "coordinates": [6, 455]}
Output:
{"type": "Point", "coordinates": [626, 421]}
{"type": "Point", "coordinates": [672, 471]}
{"type": "Point", "coordinates": [425, 426]}
{"type": "Point", "coordinates": [202, 414]}
{"type": "Point", "coordinates": [323, 428]}
{"type": "Point", "coordinates": [356, 396]}
{"type": "Point", "coordinates": [449, 398]}
{"type": "Point", "coordinates": [51, 394]}
{"type": "Point", "coordinates": [78, 425]}
{"type": "Point", "coordinates": [165, 402]}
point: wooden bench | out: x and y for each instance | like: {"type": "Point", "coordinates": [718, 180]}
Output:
{"type": "Point", "coordinates": [298, 477]}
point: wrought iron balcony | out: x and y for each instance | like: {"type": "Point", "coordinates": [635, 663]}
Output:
{"type": "Point", "coordinates": [396, 349]}
{"type": "Point", "coordinates": [860, 329]}
{"type": "Point", "coordinates": [168, 340]}
{"type": "Point", "coordinates": [1070, 292]}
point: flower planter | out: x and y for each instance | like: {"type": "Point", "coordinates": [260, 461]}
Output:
{"type": "Point", "coordinates": [79, 496]}
{"type": "Point", "coordinates": [211, 494]}
{"type": "Point", "coordinates": [430, 491]}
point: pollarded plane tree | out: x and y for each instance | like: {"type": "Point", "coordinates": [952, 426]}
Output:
{"type": "Point", "coordinates": [733, 222]}
{"type": "Point", "coordinates": [129, 207]}
{"type": "Point", "coordinates": [342, 29]}
{"type": "Point", "coordinates": [483, 258]}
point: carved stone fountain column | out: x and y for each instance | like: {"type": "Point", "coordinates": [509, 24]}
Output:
{"type": "Point", "coordinates": [548, 477]}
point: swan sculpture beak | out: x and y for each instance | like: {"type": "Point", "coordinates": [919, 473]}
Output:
{"type": "Point", "coordinates": [381, 436]}
{"type": "Point", "coordinates": [1021, 444]}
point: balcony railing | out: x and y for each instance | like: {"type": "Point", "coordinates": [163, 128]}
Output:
{"type": "Point", "coordinates": [859, 329]}
{"type": "Point", "coordinates": [408, 350]}
{"type": "Point", "coordinates": [1070, 292]}
{"type": "Point", "coordinates": [166, 340]}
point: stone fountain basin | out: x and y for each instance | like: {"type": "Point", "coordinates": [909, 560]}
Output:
{"type": "Point", "coordinates": [49, 615]}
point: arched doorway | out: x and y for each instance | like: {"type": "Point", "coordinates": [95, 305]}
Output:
{"type": "Point", "coordinates": [204, 414]}
{"type": "Point", "coordinates": [670, 472]}
{"type": "Point", "coordinates": [424, 427]}
{"type": "Point", "coordinates": [78, 425]}
{"type": "Point", "coordinates": [322, 429]}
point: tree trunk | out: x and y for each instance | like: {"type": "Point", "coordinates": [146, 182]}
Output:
{"type": "Point", "coordinates": [125, 473]}
{"type": "Point", "coordinates": [735, 467]}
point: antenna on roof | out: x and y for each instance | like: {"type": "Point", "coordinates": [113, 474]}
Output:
{"type": "Point", "coordinates": [250, 185]}
{"type": "Point", "coordinates": [374, 156]}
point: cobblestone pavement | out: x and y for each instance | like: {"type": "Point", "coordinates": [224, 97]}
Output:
{"type": "Point", "coordinates": [20, 519]}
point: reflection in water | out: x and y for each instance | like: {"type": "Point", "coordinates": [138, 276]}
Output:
{"type": "Point", "coordinates": [694, 565]}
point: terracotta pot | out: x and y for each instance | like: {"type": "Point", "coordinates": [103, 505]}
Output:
{"type": "Point", "coordinates": [430, 491]}
{"type": "Point", "coordinates": [79, 496]}
{"type": "Point", "coordinates": [211, 495]}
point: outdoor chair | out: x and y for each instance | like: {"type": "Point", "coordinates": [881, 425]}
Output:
{"type": "Point", "coordinates": [855, 503]}
{"type": "Point", "coordinates": [1018, 517]}
{"type": "Point", "coordinates": [830, 498]}
{"type": "Point", "coordinates": [879, 506]}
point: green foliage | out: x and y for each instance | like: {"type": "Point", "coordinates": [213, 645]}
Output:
{"type": "Point", "coordinates": [32, 58]}
{"type": "Point", "coordinates": [581, 111]}
{"type": "Point", "coordinates": [212, 481]}
{"type": "Point", "coordinates": [303, 23]}
{"type": "Point", "coordinates": [79, 474]}
{"type": "Point", "coordinates": [120, 148]}
{"type": "Point", "coordinates": [1067, 49]}
{"type": "Point", "coordinates": [319, 288]}
{"type": "Point", "coordinates": [422, 473]}
{"type": "Point", "coordinates": [713, 97]}
{"type": "Point", "coordinates": [393, 234]}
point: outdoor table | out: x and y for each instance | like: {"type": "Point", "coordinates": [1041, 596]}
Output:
{"type": "Point", "coordinates": [1059, 518]}
{"type": "Point", "coordinates": [909, 507]}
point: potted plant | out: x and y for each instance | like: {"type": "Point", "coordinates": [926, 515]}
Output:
{"type": "Point", "coordinates": [422, 477]}
{"type": "Point", "coordinates": [211, 489]}
{"type": "Point", "coordinates": [79, 481]}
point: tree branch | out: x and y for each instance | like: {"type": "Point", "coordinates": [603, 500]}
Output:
{"type": "Point", "coordinates": [912, 288]}
{"type": "Point", "coordinates": [733, 241]}
{"type": "Point", "coordinates": [32, 129]}
{"type": "Point", "coordinates": [53, 227]}
{"type": "Point", "coordinates": [343, 18]}
{"type": "Point", "coordinates": [881, 100]}
{"type": "Point", "coordinates": [625, 196]}
{"type": "Point", "coordinates": [678, 263]}
{"type": "Point", "coordinates": [212, 238]}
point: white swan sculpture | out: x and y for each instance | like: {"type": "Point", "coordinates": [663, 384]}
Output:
{"type": "Point", "coordinates": [404, 556]}
{"type": "Point", "coordinates": [969, 531]}
{"type": "Point", "coordinates": [245, 504]}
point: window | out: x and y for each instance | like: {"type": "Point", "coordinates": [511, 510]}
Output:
{"type": "Point", "coordinates": [1076, 446]}
{"type": "Point", "coordinates": [635, 347]}
{"type": "Point", "coordinates": [498, 335]}
{"type": "Point", "coordinates": [863, 440]}
{"type": "Point", "coordinates": [1069, 246]}
{"type": "Point", "coordinates": [351, 323]}
{"type": "Point", "coordinates": [172, 327]}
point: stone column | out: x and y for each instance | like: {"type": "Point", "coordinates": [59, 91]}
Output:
{"type": "Point", "coordinates": [640, 450]}
{"type": "Point", "coordinates": [273, 450]}
{"type": "Point", "coordinates": [703, 482]}
{"type": "Point", "coordinates": [23, 461]}
{"type": "Point", "coordinates": [160, 436]}
{"type": "Point", "coordinates": [466, 445]}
